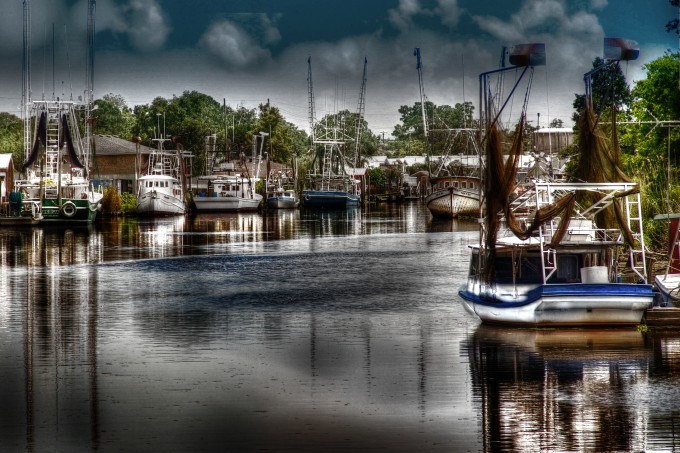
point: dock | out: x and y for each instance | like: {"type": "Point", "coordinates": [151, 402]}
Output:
{"type": "Point", "coordinates": [663, 317]}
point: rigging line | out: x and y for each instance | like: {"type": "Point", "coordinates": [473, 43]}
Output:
{"type": "Point", "coordinates": [512, 101]}
{"type": "Point", "coordinates": [44, 63]}
{"type": "Point", "coordinates": [68, 61]}
{"type": "Point", "coordinates": [462, 65]}
{"type": "Point", "coordinates": [547, 106]}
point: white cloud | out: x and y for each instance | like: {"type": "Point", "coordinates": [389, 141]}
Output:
{"type": "Point", "coordinates": [243, 41]}
{"type": "Point", "coordinates": [233, 45]}
{"type": "Point", "coordinates": [402, 16]}
{"type": "Point", "coordinates": [449, 11]}
{"type": "Point", "coordinates": [598, 4]}
{"type": "Point", "coordinates": [142, 21]}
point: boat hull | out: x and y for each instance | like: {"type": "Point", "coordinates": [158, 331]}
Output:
{"type": "Point", "coordinates": [282, 203]}
{"type": "Point", "coordinates": [451, 202]}
{"type": "Point", "coordinates": [226, 204]}
{"type": "Point", "coordinates": [669, 288]}
{"type": "Point", "coordinates": [571, 304]}
{"type": "Point", "coordinates": [71, 210]}
{"type": "Point", "coordinates": [325, 199]}
{"type": "Point", "coordinates": [153, 203]}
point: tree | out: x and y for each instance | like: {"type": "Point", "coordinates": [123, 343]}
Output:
{"type": "Point", "coordinates": [12, 137]}
{"type": "Point", "coordinates": [443, 121]}
{"type": "Point", "coordinates": [608, 87]}
{"type": "Point", "coordinates": [189, 118]}
{"type": "Point", "coordinates": [113, 116]}
{"type": "Point", "coordinates": [673, 25]}
{"type": "Point", "coordinates": [657, 148]}
{"type": "Point", "coordinates": [556, 122]}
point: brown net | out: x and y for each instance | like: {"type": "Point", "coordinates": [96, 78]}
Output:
{"type": "Point", "coordinates": [598, 163]}
{"type": "Point", "coordinates": [500, 182]}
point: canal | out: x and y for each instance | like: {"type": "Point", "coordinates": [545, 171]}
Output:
{"type": "Point", "coordinates": [301, 331]}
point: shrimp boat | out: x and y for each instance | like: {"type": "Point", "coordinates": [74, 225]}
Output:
{"type": "Point", "coordinates": [334, 188]}
{"type": "Point", "coordinates": [160, 191]}
{"type": "Point", "coordinates": [223, 188]}
{"type": "Point", "coordinates": [280, 190]}
{"type": "Point", "coordinates": [453, 196]}
{"type": "Point", "coordinates": [453, 192]}
{"type": "Point", "coordinates": [56, 180]}
{"type": "Point", "coordinates": [57, 166]}
{"type": "Point", "coordinates": [551, 253]}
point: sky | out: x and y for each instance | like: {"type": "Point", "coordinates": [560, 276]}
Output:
{"type": "Point", "coordinates": [245, 53]}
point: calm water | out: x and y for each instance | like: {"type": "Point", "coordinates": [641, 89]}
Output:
{"type": "Point", "coordinates": [295, 331]}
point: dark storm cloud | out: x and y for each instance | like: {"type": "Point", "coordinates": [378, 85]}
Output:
{"type": "Point", "coordinates": [251, 52]}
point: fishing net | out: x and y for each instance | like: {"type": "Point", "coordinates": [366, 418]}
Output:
{"type": "Point", "coordinates": [598, 163]}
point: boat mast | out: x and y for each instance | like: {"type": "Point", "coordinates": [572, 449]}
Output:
{"type": "Point", "coordinates": [360, 115]}
{"type": "Point", "coordinates": [419, 67]}
{"type": "Point", "coordinates": [310, 91]}
{"type": "Point", "coordinates": [89, 76]}
{"type": "Point", "coordinates": [26, 80]}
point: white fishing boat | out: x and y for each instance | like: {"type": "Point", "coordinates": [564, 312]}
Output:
{"type": "Point", "coordinates": [549, 252]}
{"type": "Point", "coordinates": [226, 193]}
{"type": "Point", "coordinates": [453, 196]}
{"type": "Point", "coordinates": [223, 188]}
{"type": "Point", "coordinates": [160, 191]}
{"type": "Point", "coordinates": [668, 282]}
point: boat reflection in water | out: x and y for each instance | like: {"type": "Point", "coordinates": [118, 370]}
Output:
{"type": "Point", "coordinates": [576, 390]}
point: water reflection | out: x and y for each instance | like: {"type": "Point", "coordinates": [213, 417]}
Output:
{"type": "Point", "coordinates": [48, 348]}
{"type": "Point", "coordinates": [208, 351]}
{"type": "Point", "coordinates": [576, 390]}
{"type": "Point", "coordinates": [119, 239]}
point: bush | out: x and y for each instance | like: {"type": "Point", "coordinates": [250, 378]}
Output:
{"type": "Point", "coordinates": [111, 201]}
{"type": "Point", "coordinates": [129, 203]}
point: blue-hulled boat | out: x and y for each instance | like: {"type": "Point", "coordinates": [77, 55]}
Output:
{"type": "Point", "coordinates": [568, 274]}
{"type": "Point", "coordinates": [329, 199]}
{"type": "Point", "coordinates": [555, 253]}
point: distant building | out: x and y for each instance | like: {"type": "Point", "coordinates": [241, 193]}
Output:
{"type": "Point", "coordinates": [550, 141]}
{"type": "Point", "coordinates": [6, 176]}
{"type": "Point", "coordinates": [114, 162]}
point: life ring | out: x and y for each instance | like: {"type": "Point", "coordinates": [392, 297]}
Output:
{"type": "Point", "coordinates": [69, 209]}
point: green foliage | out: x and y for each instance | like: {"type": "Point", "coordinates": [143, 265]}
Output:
{"type": "Point", "coordinates": [113, 117]}
{"type": "Point", "coordinates": [653, 150]}
{"type": "Point", "coordinates": [410, 137]}
{"type": "Point", "coordinates": [608, 87]}
{"type": "Point", "coordinates": [12, 137]}
{"type": "Point", "coordinates": [376, 177]}
{"type": "Point", "coordinates": [128, 203]}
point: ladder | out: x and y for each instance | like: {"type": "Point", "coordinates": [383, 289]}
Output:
{"type": "Point", "coordinates": [633, 214]}
{"type": "Point", "coordinates": [52, 151]}
{"type": "Point", "coordinates": [327, 160]}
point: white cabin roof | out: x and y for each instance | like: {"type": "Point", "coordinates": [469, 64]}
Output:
{"type": "Point", "coordinates": [5, 160]}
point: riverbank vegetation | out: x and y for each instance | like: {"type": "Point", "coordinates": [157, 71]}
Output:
{"type": "Point", "coordinates": [647, 118]}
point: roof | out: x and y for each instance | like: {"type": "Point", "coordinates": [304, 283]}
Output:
{"type": "Point", "coordinates": [5, 161]}
{"type": "Point", "coordinates": [554, 130]}
{"type": "Point", "coordinates": [109, 145]}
